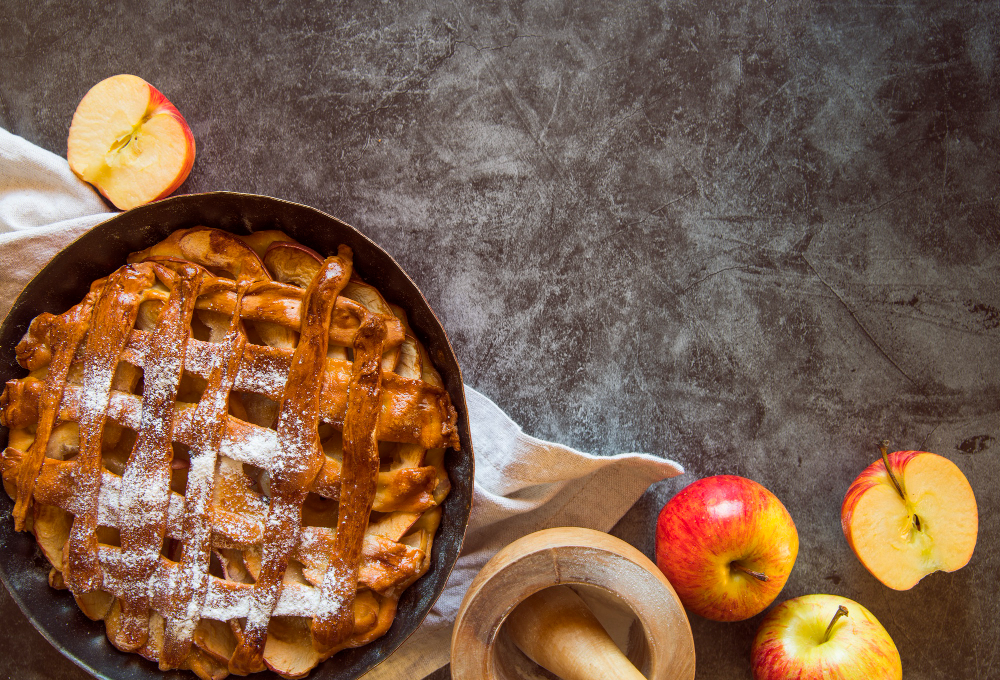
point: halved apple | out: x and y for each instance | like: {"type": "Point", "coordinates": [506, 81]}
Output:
{"type": "Point", "coordinates": [909, 514]}
{"type": "Point", "coordinates": [130, 142]}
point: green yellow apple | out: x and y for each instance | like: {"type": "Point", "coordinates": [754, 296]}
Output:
{"type": "Point", "coordinates": [130, 142]}
{"type": "Point", "coordinates": [823, 637]}
{"type": "Point", "coordinates": [727, 545]}
{"type": "Point", "coordinates": [909, 514]}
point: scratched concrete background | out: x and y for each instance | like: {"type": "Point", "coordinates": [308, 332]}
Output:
{"type": "Point", "coordinates": [756, 238]}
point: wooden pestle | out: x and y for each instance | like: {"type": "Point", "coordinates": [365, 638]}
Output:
{"type": "Point", "coordinates": [555, 629]}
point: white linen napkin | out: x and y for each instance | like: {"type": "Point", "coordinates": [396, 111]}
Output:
{"type": "Point", "coordinates": [522, 484]}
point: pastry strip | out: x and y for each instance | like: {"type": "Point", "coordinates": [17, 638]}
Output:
{"type": "Point", "coordinates": [384, 564]}
{"type": "Point", "coordinates": [191, 586]}
{"type": "Point", "coordinates": [281, 304]}
{"type": "Point", "coordinates": [404, 489]}
{"type": "Point", "coordinates": [144, 497]}
{"type": "Point", "coordinates": [413, 411]}
{"type": "Point", "coordinates": [335, 622]}
{"type": "Point", "coordinates": [302, 456]}
{"type": "Point", "coordinates": [111, 320]}
{"type": "Point", "coordinates": [69, 330]}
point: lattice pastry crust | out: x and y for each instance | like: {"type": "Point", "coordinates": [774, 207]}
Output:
{"type": "Point", "coordinates": [231, 451]}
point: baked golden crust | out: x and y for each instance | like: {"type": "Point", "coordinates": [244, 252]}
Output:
{"type": "Point", "coordinates": [231, 451]}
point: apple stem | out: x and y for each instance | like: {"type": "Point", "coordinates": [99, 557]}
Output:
{"type": "Point", "coordinates": [759, 575]}
{"type": "Point", "coordinates": [841, 611]}
{"type": "Point", "coordinates": [884, 448]}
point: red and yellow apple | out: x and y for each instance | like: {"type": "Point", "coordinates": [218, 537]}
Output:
{"type": "Point", "coordinates": [823, 637]}
{"type": "Point", "coordinates": [727, 545]}
{"type": "Point", "coordinates": [912, 518]}
{"type": "Point", "coordinates": [128, 141]}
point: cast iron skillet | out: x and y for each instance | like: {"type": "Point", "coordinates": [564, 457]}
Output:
{"type": "Point", "coordinates": [64, 282]}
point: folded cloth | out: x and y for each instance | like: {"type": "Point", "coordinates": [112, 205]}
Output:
{"type": "Point", "coordinates": [43, 207]}
{"type": "Point", "coordinates": [522, 484]}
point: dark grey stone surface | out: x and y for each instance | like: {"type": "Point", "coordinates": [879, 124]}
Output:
{"type": "Point", "coordinates": [755, 238]}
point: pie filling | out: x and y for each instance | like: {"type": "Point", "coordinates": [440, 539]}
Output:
{"type": "Point", "coordinates": [232, 452]}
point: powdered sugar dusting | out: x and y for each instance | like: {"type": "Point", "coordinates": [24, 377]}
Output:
{"type": "Point", "coordinates": [211, 417]}
{"type": "Point", "coordinates": [256, 446]}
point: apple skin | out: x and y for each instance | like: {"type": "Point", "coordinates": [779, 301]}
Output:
{"type": "Point", "coordinates": [871, 476]}
{"type": "Point", "coordinates": [159, 104]}
{"type": "Point", "coordinates": [108, 109]}
{"type": "Point", "coordinates": [950, 522]}
{"type": "Point", "coordinates": [710, 526]}
{"type": "Point", "coordinates": [790, 643]}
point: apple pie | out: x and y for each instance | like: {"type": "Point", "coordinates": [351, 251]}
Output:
{"type": "Point", "coordinates": [232, 452]}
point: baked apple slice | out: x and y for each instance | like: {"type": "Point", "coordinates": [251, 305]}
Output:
{"type": "Point", "coordinates": [292, 263]}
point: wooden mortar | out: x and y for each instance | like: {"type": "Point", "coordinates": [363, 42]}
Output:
{"type": "Point", "coordinates": [660, 643]}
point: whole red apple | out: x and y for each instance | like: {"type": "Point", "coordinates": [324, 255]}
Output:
{"type": "Point", "coordinates": [727, 545]}
{"type": "Point", "coordinates": [908, 514]}
{"type": "Point", "coordinates": [823, 637]}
